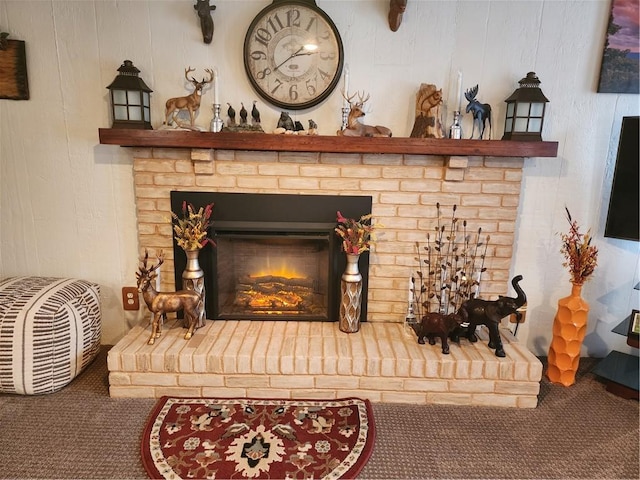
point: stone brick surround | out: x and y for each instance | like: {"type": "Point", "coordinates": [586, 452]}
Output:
{"type": "Point", "coordinates": [404, 190]}
{"type": "Point", "coordinates": [315, 360]}
{"type": "Point", "coordinates": [290, 360]}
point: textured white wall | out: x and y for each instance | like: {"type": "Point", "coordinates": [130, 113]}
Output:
{"type": "Point", "coordinates": [66, 202]}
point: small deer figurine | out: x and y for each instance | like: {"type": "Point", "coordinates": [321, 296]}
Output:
{"type": "Point", "coordinates": [161, 303]}
{"type": "Point", "coordinates": [354, 127]}
{"type": "Point", "coordinates": [481, 112]}
{"type": "Point", "coordinates": [191, 103]}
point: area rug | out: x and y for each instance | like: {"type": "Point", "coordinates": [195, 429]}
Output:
{"type": "Point", "coordinates": [255, 438]}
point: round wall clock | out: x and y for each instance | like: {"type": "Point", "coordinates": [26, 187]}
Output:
{"type": "Point", "coordinates": [293, 54]}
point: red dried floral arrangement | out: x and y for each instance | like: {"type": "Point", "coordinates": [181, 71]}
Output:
{"type": "Point", "coordinates": [356, 234]}
{"type": "Point", "coordinates": [190, 231]}
{"type": "Point", "coordinates": [580, 256]}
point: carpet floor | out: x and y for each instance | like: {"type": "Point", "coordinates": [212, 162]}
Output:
{"type": "Point", "coordinates": [577, 432]}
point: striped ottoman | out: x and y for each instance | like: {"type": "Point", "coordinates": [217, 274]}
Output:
{"type": "Point", "coordinates": [49, 332]}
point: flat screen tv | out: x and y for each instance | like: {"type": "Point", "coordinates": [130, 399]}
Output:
{"type": "Point", "coordinates": [624, 212]}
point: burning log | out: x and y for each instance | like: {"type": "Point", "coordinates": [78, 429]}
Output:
{"type": "Point", "coordinates": [274, 293]}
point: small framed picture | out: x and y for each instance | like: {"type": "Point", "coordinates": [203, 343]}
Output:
{"type": "Point", "coordinates": [633, 334]}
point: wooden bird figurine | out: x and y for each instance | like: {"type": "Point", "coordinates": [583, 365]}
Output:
{"type": "Point", "coordinates": [231, 112]}
{"type": "Point", "coordinates": [243, 114]}
{"type": "Point", "coordinates": [255, 113]}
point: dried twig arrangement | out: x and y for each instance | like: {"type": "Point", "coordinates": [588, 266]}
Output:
{"type": "Point", "coordinates": [450, 267]}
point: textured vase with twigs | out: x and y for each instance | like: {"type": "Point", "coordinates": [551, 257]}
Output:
{"type": "Point", "coordinates": [450, 266]}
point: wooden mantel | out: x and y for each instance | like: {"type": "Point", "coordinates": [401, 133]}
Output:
{"type": "Point", "coordinates": [324, 143]}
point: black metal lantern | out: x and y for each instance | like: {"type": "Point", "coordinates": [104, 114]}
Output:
{"type": "Point", "coordinates": [130, 99]}
{"type": "Point", "coordinates": [525, 111]}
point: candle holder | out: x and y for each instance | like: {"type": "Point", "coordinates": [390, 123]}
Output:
{"type": "Point", "coordinates": [410, 320]}
{"type": "Point", "coordinates": [216, 122]}
{"type": "Point", "coordinates": [455, 130]}
{"type": "Point", "coordinates": [345, 118]}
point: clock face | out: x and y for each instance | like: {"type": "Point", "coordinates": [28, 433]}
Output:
{"type": "Point", "coordinates": [293, 54]}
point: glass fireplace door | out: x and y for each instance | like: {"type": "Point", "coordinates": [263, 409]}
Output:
{"type": "Point", "coordinates": [264, 276]}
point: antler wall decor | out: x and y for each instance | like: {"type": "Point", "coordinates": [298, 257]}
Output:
{"type": "Point", "coordinates": [396, 9]}
{"type": "Point", "coordinates": [206, 20]}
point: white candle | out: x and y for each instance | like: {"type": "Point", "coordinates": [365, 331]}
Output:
{"type": "Point", "coordinates": [345, 87]}
{"type": "Point", "coordinates": [459, 91]}
{"type": "Point", "coordinates": [216, 96]}
{"type": "Point", "coordinates": [410, 291]}
{"type": "Point", "coordinates": [158, 279]}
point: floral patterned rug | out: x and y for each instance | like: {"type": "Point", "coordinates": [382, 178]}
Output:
{"type": "Point", "coordinates": [254, 438]}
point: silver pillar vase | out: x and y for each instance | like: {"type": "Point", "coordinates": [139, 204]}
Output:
{"type": "Point", "coordinates": [193, 279]}
{"type": "Point", "coordinates": [350, 296]}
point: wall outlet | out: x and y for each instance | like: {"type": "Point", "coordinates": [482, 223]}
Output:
{"type": "Point", "coordinates": [130, 298]}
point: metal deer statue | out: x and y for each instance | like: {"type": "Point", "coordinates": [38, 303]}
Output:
{"type": "Point", "coordinates": [354, 127]}
{"type": "Point", "coordinates": [481, 112]}
{"type": "Point", "coordinates": [161, 303]}
{"type": "Point", "coordinates": [191, 103]}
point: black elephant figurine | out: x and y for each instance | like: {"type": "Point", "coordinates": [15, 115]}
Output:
{"type": "Point", "coordinates": [439, 325]}
{"type": "Point", "coordinates": [490, 312]}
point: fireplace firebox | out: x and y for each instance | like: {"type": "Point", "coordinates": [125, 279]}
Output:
{"type": "Point", "coordinates": [276, 257]}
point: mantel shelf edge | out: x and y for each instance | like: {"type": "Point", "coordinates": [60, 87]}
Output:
{"type": "Point", "coordinates": [324, 143]}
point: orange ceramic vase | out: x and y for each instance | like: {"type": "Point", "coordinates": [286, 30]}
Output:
{"type": "Point", "coordinates": [569, 328]}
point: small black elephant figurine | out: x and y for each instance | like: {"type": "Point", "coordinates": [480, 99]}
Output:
{"type": "Point", "coordinates": [490, 312]}
{"type": "Point", "coordinates": [206, 21]}
{"type": "Point", "coordinates": [439, 325]}
{"type": "Point", "coordinates": [481, 112]}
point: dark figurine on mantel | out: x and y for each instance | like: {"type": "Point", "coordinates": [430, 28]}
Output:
{"type": "Point", "coordinates": [286, 122]}
{"type": "Point", "coordinates": [4, 43]}
{"type": "Point", "coordinates": [489, 313]}
{"type": "Point", "coordinates": [231, 112]}
{"type": "Point", "coordinates": [206, 21]}
{"type": "Point", "coordinates": [435, 324]}
{"type": "Point", "coordinates": [243, 114]}
{"type": "Point", "coordinates": [481, 112]}
{"type": "Point", "coordinates": [255, 114]}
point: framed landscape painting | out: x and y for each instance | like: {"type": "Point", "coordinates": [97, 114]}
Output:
{"type": "Point", "coordinates": [620, 70]}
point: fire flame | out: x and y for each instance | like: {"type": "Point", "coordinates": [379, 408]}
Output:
{"type": "Point", "coordinates": [282, 270]}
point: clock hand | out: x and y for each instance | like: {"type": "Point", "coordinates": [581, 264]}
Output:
{"type": "Point", "coordinates": [293, 55]}
{"type": "Point", "coordinates": [290, 57]}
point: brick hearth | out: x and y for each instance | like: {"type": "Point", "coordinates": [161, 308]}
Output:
{"type": "Point", "coordinates": [381, 362]}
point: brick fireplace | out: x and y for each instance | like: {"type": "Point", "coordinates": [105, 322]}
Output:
{"type": "Point", "coordinates": [382, 362]}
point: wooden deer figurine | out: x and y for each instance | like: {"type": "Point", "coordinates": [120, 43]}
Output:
{"type": "Point", "coordinates": [191, 103]}
{"type": "Point", "coordinates": [161, 303]}
{"type": "Point", "coordinates": [354, 127]}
